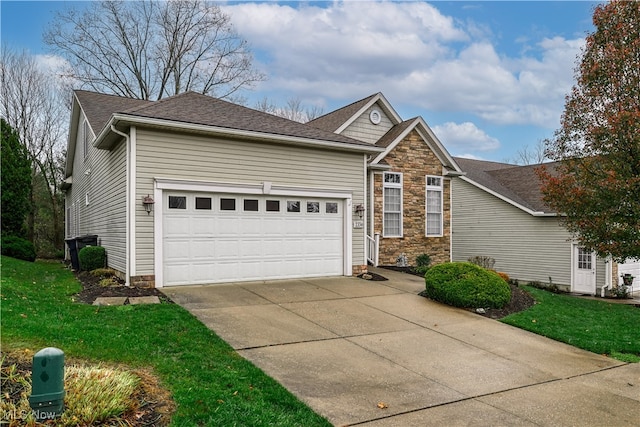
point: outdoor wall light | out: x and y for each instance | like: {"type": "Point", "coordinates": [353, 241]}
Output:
{"type": "Point", "coordinates": [148, 203]}
{"type": "Point", "coordinates": [359, 210]}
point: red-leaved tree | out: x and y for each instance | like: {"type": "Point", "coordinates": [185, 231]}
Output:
{"type": "Point", "coordinates": [595, 183]}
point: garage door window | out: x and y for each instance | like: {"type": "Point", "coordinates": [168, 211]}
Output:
{"type": "Point", "coordinates": [251, 205]}
{"type": "Point", "coordinates": [332, 207]}
{"type": "Point", "coordinates": [273, 205]}
{"type": "Point", "coordinates": [293, 206]}
{"type": "Point", "coordinates": [313, 207]}
{"type": "Point", "coordinates": [227, 204]}
{"type": "Point", "coordinates": [177, 202]}
{"type": "Point", "coordinates": [203, 203]}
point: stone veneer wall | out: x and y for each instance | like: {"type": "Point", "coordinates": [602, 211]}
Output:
{"type": "Point", "coordinates": [413, 158]}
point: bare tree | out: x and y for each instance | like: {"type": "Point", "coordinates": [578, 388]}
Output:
{"type": "Point", "coordinates": [294, 110]}
{"type": "Point", "coordinates": [530, 155]}
{"type": "Point", "coordinates": [33, 104]}
{"type": "Point", "coordinates": [149, 50]}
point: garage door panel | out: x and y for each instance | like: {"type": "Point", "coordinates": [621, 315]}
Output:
{"type": "Point", "coordinates": [213, 246]}
{"type": "Point", "coordinates": [177, 250]}
{"type": "Point", "coordinates": [250, 248]}
{"type": "Point", "coordinates": [274, 226]}
{"type": "Point", "coordinates": [202, 226]}
{"type": "Point", "coordinates": [227, 248]}
{"type": "Point", "coordinates": [177, 226]}
{"type": "Point", "coordinates": [228, 225]}
{"type": "Point", "coordinates": [202, 249]}
{"type": "Point", "coordinates": [176, 274]}
{"type": "Point", "coordinates": [251, 226]}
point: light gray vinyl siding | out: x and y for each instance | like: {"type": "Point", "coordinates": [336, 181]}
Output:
{"type": "Point", "coordinates": [363, 130]}
{"type": "Point", "coordinates": [525, 247]}
{"type": "Point", "coordinates": [201, 158]}
{"type": "Point", "coordinates": [101, 176]}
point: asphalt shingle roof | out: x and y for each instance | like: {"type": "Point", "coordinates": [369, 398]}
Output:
{"type": "Point", "coordinates": [517, 183]}
{"type": "Point", "coordinates": [194, 108]}
{"type": "Point", "coordinates": [98, 107]}
{"type": "Point", "coordinates": [333, 120]}
{"type": "Point", "coordinates": [393, 133]}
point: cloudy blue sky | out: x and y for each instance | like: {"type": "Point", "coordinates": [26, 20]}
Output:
{"type": "Point", "coordinates": [488, 77]}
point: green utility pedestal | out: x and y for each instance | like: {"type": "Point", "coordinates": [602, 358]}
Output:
{"type": "Point", "coordinates": [47, 383]}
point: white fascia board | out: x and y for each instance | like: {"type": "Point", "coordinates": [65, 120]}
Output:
{"type": "Point", "coordinates": [391, 146]}
{"type": "Point", "coordinates": [441, 152]}
{"type": "Point", "coordinates": [237, 133]}
{"type": "Point", "coordinates": [72, 136]}
{"type": "Point", "coordinates": [386, 106]}
{"type": "Point", "coordinates": [508, 200]}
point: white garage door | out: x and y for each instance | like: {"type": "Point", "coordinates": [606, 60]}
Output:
{"type": "Point", "coordinates": [214, 238]}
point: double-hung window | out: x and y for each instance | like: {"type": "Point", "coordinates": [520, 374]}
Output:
{"type": "Point", "coordinates": [392, 204]}
{"type": "Point", "coordinates": [433, 208]}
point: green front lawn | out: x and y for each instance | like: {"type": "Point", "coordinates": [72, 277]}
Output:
{"type": "Point", "coordinates": [599, 326]}
{"type": "Point", "coordinates": [211, 384]}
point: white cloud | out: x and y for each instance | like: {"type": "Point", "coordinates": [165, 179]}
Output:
{"type": "Point", "coordinates": [50, 63]}
{"type": "Point", "coordinates": [57, 68]}
{"type": "Point", "coordinates": [464, 136]}
{"type": "Point", "coordinates": [411, 52]}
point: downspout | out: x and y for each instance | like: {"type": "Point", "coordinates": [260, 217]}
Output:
{"type": "Point", "coordinates": [127, 207]}
{"type": "Point", "coordinates": [608, 276]}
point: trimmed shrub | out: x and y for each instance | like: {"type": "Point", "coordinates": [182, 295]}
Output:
{"type": "Point", "coordinates": [92, 257]}
{"type": "Point", "coordinates": [463, 284]}
{"type": "Point", "coordinates": [16, 247]}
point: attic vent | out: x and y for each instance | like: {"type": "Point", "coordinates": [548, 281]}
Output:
{"type": "Point", "coordinates": [375, 117]}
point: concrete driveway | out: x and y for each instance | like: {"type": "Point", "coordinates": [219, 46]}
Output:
{"type": "Point", "coordinates": [377, 354]}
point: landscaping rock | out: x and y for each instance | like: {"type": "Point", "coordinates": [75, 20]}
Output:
{"type": "Point", "coordinates": [152, 299]}
{"type": "Point", "coordinates": [110, 301]}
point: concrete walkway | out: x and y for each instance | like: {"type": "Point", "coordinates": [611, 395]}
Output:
{"type": "Point", "coordinates": [377, 354]}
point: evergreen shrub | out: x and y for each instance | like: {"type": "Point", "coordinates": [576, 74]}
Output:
{"type": "Point", "coordinates": [463, 284]}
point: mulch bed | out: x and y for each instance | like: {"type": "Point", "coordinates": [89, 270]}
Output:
{"type": "Point", "coordinates": [520, 299]}
{"type": "Point", "coordinates": [91, 289]}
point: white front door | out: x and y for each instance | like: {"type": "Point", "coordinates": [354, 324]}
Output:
{"type": "Point", "coordinates": [584, 271]}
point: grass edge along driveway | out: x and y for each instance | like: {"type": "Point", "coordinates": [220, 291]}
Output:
{"type": "Point", "coordinates": [599, 326]}
{"type": "Point", "coordinates": [210, 383]}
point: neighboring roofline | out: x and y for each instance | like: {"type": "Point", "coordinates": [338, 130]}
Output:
{"type": "Point", "coordinates": [103, 142]}
{"type": "Point", "coordinates": [508, 200]}
{"type": "Point", "coordinates": [385, 104]}
{"type": "Point", "coordinates": [441, 153]}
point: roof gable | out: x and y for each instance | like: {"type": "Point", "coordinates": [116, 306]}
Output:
{"type": "Point", "coordinates": [517, 185]}
{"type": "Point", "coordinates": [397, 133]}
{"type": "Point", "coordinates": [340, 119]}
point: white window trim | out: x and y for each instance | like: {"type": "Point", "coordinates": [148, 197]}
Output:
{"type": "Point", "coordinates": [439, 188]}
{"type": "Point", "coordinates": [393, 185]}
